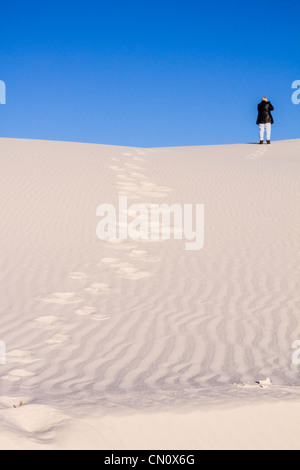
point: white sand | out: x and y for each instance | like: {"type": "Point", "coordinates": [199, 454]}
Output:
{"type": "Point", "coordinates": [142, 344]}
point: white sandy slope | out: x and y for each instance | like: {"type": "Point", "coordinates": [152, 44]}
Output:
{"type": "Point", "coordinates": [142, 344]}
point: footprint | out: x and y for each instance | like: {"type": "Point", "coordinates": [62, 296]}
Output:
{"type": "Point", "coordinates": [256, 154]}
{"type": "Point", "coordinates": [78, 276]}
{"type": "Point", "coordinates": [18, 374]}
{"type": "Point", "coordinates": [58, 339]}
{"type": "Point", "coordinates": [47, 320]}
{"type": "Point", "coordinates": [91, 312]}
{"type": "Point", "coordinates": [144, 256]}
{"type": "Point", "coordinates": [130, 272]}
{"type": "Point", "coordinates": [111, 261]}
{"type": "Point", "coordinates": [124, 269]}
{"type": "Point", "coordinates": [115, 167]}
{"type": "Point", "coordinates": [62, 298]}
{"type": "Point", "coordinates": [98, 288]}
{"type": "Point", "coordinates": [21, 373]}
{"type": "Point", "coordinates": [100, 317]}
{"type": "Point", "coordinates": [85, 311]}
{"type": "Point", "coordinates": [18, 356]}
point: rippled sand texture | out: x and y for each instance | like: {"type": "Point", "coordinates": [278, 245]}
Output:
{"type": "Point", "coordinates": [143, 324]}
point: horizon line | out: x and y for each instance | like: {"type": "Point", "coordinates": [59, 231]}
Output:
{"type": "Point", "coordinates": [145, 148]}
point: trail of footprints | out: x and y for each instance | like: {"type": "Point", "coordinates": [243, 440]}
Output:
{"type": "Point", "coordinates": [55, 323]}
{"type": "Point", "coordinates": [130, 263]}
{"type": "Point", "coordinates": [132, 182]}
{"type": "Point", "coordinates": [258, 153]}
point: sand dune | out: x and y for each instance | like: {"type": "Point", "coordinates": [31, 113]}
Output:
{"type": "Point", "coordinates": [103, 335]}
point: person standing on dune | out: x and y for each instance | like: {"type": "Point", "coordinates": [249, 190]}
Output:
{"type": "Point", "coordinates": [265, 119]}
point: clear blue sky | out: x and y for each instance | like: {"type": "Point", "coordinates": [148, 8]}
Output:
{"type": "Point", "coordinates": [148, 73]}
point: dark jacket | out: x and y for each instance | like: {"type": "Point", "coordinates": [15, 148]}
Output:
{"type": "Point", "coordinates": [264, 113]}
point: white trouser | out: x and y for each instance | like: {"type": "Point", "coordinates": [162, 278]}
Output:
{"type": "Point", "coordinates": [263, 128]}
